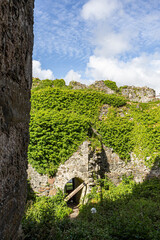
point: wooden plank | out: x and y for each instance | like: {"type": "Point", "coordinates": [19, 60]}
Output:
{"type": "Point", "coordinates": [75, 191]}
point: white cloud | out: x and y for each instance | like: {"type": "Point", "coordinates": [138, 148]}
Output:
{"type": "Point", "coordinates": [125, 37]}
{"type": "Point", "coordinates": [139, 71]}
{"type": "Point", "coordinates": [99, 9]}
{"type": "Point", "coordinates": [41, 73]}
{"type": "Point", "coordinates": [122, 26]}
{"type": "Point", "coordinates": [111, 44]}
{"type": "Point", "coordinates": [72, 76]}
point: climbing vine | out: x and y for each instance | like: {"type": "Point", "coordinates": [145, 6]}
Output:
{"type": "Point", "coordinates": [137, 130]}
{"type": "Point", "coordinates": [62, 118]}
{"type": "Point", "coordinates": [111, 84]}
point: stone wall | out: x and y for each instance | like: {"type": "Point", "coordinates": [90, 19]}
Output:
{"type": "Point", "coordinates": [136, 94]}
{"type": "Point", "coordinates": [88, 165]}
{"type": "Point", "coordinates": [139, 94]}
{"type": "Point", "coordinates": [75, 166]}
{"type": "Point", "coordinates": [135, 167]}
{"type": "Point", "coordinates": [76, 85]}
{"type": "Point", "coordinates": [84, 164]}
{"type": "Point", "coordinates": [38, 182]}
{"type": "Point", "coordinates": [16, 41]}
{"type": "Point", "coordinates": [100, 86]}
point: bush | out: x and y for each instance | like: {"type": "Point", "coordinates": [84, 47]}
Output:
{"type": "Point", "coordinates": [129, 211]}
{"type": "Point", "coordinates": [111, 84]}
{"type": "Point", "coordinates": [59, 83]}
{"type": "Point", "coordinates": [43, 216]}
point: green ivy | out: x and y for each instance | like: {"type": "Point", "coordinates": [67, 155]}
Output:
{"type": "Point", "coordinates": [60, 122]}
{"type": "Point", "coordinates": [62, 118]}
{"type": "Point", "coordinates": [111, 84]}
{"type": "Point", "coordinates": [40, 84]}
{"type": "Point", "coordinates": [54, 137]}
{"type": "Point", "coordinates": [59, 83]}
{"type": "Point", "coordinates": [116, 133]}
{"type": "Point", "coordinates": [137, 131]}
{"type": "Point", "coordinates": [82, 101]}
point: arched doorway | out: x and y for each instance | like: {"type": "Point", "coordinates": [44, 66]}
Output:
{"type": "Point", "coordinates": [70, 186]}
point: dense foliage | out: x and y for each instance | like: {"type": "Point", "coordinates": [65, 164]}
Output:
{"type": "Point", "coordinates": [39, 84]}
{"type": "Point", "coordinates": [127, 212]}
{"type": "Point", "coordinates": [111, 84]}
{"type": "Point", "coordinates": [54, 136]}
{"type": "Point", "coordinates": [62, 118]}
{"type": "Point", "coordinates": [116, 133]}
{"type": "Point", "coordinates": [43, 215]}
{"type": "Point", "coordinates": [135, 128]}
{"type": "Point", "coordinates": [60, 121]}
{"type": "Point", "coordinates": [84, 102]}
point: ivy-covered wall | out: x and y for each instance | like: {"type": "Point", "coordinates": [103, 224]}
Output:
{"type": "Point", "coordinates": [62, 118]}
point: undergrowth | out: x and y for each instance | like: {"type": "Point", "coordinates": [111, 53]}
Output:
{"type": "Point", "coordinates": [129, 211]}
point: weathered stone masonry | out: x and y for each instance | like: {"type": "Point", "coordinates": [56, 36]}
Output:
{"type": "Point", "coordinates": [16, 42]}
{"type": "Point", "coordinates": [83, 164]}
{"type": "Point", "coordinates": [89, 164]}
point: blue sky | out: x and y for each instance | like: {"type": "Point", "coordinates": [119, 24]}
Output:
{"type": "Point", "coordinates": [88, 40]}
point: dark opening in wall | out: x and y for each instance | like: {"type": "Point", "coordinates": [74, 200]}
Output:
{"type": "Point", "coordinates": [70, 186]}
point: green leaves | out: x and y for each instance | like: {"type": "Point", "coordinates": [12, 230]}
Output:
{"type": "Point", "coordinates": [111, 84]}
{"type": "Point", "coordinates": [60, 121]}
{"type": "Point", "coordinates": [54, 136]}
{"type": "Point", "coordinates": [116, 133]}
{"type": "Point", "coordinates": [43, 215]}
{"type": "Point", "coordinates": [138, 131]}
{"type": "Point", "coordinates": [82, 101]}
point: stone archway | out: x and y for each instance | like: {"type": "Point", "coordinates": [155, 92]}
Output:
{"type": "Point", "coordinates": [70, 186]}
{"type": "Point", "coordinates": [84, 164]}
{"type": "Point", "coordinates": [76, 167]}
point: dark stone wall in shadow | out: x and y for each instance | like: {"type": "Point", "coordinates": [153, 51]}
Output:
{"type": "Point", "coordinates": [16, 43]}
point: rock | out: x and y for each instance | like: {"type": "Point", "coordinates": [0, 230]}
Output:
{"type": "Point", "coordinates": [103, 111]}
{"type": "Point", "coordinates": [16, 43]}
{"type": "Point", "coordinates": [51, 180]}
{"type": "Point", "coordinates": [77, 85]}
{"type": "Point", "coordinates": [138, 94]}
{"type": "Point", "coordinates": [100, 86]}
{"type": "Point", "coordinates": [52, 192]}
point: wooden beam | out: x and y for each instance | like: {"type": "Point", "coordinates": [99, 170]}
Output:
{"type": "Point", "coordinates": [75, 191]}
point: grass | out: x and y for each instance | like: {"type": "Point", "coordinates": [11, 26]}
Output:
{"type": "Point", "coordinates": [129, 211]}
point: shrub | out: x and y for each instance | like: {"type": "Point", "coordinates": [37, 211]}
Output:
{"type": "Point", "coordinates": [43, 216]}
{"type": "Point", "coordinates": [128, 211]}
{"type": "Point", "coordinates": [59, 83]}
{"type": "Point", "coordinates": [111, 84]}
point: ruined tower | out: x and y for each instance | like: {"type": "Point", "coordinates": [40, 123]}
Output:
{"type": "Point", "coordinates": [16, 43]}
